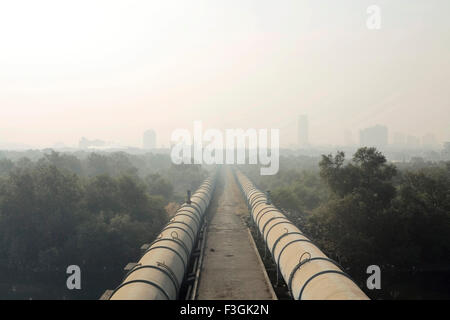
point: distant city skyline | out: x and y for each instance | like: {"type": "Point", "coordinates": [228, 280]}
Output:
{"type": "Point", "coordinates": [369, 136]}
{"type": "Point", "coordinates": [376, 136]}
{"type": "Point", "coordinates": [149, 139]}
{"type": "Point", "coordinates": [134, 65]}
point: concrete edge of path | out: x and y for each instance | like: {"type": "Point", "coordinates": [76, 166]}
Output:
{"type": "Point", "coordinates": [266, 276]}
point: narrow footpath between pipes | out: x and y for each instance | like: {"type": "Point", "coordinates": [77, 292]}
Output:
{"type": "Point", "coordinates": [232, 268]}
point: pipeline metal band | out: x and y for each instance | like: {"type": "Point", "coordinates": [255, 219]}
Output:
{"type": "Point", "coordinates": [319, 274]}
{"type": "Point", "coordinates": [301, 263]}
{"type": "Point", "coordinates": [248, 192]}
{"type": "Point", "coordinates": [166, 267]}
{"type": "Point", "coordinates": [189, 213]}
{"type": "Point", "coordinates": [171, 249]}
{"type": "Point", "coordinates": [248, 186]}
{"type": "Point", "coordinates": [204, 189]}
{"type": "Point", "coordinates": [196, 207]}
{"type": "Point", "coordinates": [206, 198]}
{"type": "Point", "coordinates": [181, 222]}
{"type": "Point", "coordinates": [269, 206]}
{"type": "Point", "coordinates": [268, 221]}
{"type": "Point", "coordinates": [255, 194]}
{"type": "Point", "coordinates": [198, 197]}
{"type": "Point", "coordinates": [259, 196]}
{"type": "Point", "coordinates": [281, 237]}
{"type": "Point", "coordinates": [258, 202]}
{"type": "Point", "coordinates": [252, 191]}
{"type": "Point", "coordinates": [151, 283]}
{"type": "Point", "coordinates": [208, 188]}
{"type": "Point", "coordinates": [203, 195]}
{"type": "Point", "coordinates": [256, 213]}
{"type": "Point", "coordinates": [194, 211]}
{"type": "Point", "coordinates": [264, 201]}
{"type": "Point", "coordinates": [201, 212]}
{"type": "Point", "coordinates": [176, 240]}
{"type": "Point", "coordinates": [190, 216]}
{"type": "Point", "coordinates": [208, 195]}
{"type": "Point", "coordinates": [276, 224]}
{"type": "Point", "coordinates": [258, 218]}
{"type": "Point", "coordinates": [288, 244]}
{"type": "Point", "coordinates": [206, 183]}
{"type": "Point", "coordinates": [170, 275]}
{"type": "Point", "coordinates": [175, 227]}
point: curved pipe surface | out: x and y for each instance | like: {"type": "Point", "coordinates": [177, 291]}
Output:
{"type": "Point", "coordinates": [160, 272]}
{"type": "Point", "coordinates": [308, 272]}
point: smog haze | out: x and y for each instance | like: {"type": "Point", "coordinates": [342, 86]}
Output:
{"type": "Point", "coordinates": [112, 69]}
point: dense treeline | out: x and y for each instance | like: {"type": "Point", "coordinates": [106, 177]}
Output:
{"type": "Point", "coordinates": [157, 169]}
{"type": "Point", "coordinates": [60, 210]}
{"type": "Point", "coordinates": [366, 211]}
{"type": "Point", "coordinates": [96, 209]}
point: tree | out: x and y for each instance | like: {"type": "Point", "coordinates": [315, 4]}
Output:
{"type": "Point", "coordinates": [38, 212]}
{"type": "Point", "coordinates": [157, 185]}
{"type": "Point", "coordinates": [424, 207]}
{"type": "Point", "coordinates": [97, 164]}
{"type": "Point", "coordinates": [62, 161]}
{"type": "Point", "coordinates": [6, 166]}
{"type": "Point", "coordinates": [368, 173]}
{"type": "Point", "coordinates": [93, 211]}
{"type": "Point", "coordinates": [355, 219]}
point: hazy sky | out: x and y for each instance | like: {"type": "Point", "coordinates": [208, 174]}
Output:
{"type": "Point", "coordinates": [112, 69]}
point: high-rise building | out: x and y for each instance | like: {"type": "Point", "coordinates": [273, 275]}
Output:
{"type": "Point", "coordinates": [348, 138]}
{"type": "Point", "coordinates": [413, 142]}
{"type": "Point", "coordinates": [429, 141]}
{"type": "Point", "coordinates": [149, 140]}
{"type": "Point", "coordinates": [303, 129]}
{"type": "Point", "coordinates": [376, 136]}
{"type": "Point", "coordinates": [399, 139]}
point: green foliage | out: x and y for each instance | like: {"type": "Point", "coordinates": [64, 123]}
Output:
{"type": "Point", "coordinates": [6, 166]}
{"type": "Point", "coordinates": [38, 211]}
{"type": "Point", "coordinates": [405, 224]}
{"type": "Point", "coordinates": [368, 174]}
{"type": "Point", "coordinates": [185, 177]}
{"type": "Point", "coordinates": [366, 211]}
{"type": "Point", "coordinates": [423, 206]}
{"type": "Point", "coordinates": [159, 186]}
{"type": "Point", "coordinates": [94, 212]}
{"type": "Point", "coordinates": [63, 161]}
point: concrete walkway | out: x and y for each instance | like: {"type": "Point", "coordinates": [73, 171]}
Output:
{"type": "Point", "coordinates": [232, 268]}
